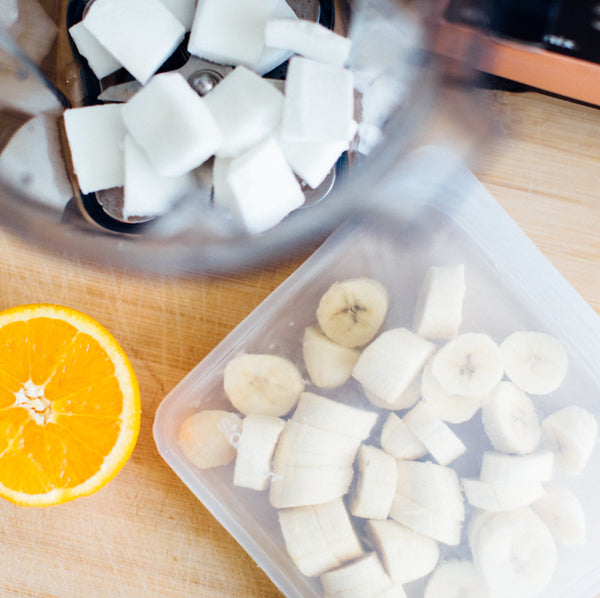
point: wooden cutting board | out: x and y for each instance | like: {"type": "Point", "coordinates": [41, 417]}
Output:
{"type": "Point", "coordinates": [145, 534]}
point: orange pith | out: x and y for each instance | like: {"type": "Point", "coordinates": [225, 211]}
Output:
{"type": "Point", "coordinates": [69, 405]}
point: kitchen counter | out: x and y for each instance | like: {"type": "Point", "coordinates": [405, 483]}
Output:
{"type": "Point", "coordinates": [145, 534]}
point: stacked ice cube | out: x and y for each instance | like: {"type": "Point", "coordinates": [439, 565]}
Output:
{"type": "Point", "coordinates": [265, 141]}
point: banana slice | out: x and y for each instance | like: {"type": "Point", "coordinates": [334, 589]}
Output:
{"type": "Point", "coordinates": [329, 365]}
{"type": "Point", "coordinates": [571, 434]}
{"type": "Point", "coordinates": [425, 521]}
{"type": "Point", "coordinates": [516, 469]}
{"type": "Point", "coordinates": [363, 578]}
{"type": "Point", "coordinates": [319, 538]}
{"type": "Point", "coordinates": [257, 442]}
{"type": "Point", "coordinates": [470, 365]}
{"type": "Point", "coordinates": [397, 439]}
{"type": "Point", "coordinates": [305, 542]}
{"type": "Point", "coordinates": [338, 530]}
{"type": "Point", "coordinates": [404, 401]}
{"type": "Point", "coordinates": [409, 397]}
{"type": "Point", "coordinates": [301, 445]}
{"type": "Point", "coordinates": [515, 552]}
{"type": "Point", "coordinates": [439, 308]}
{"type": "Point", "coordinates": [301, 486]}
{"type": "Point", "coordinates": [389, 365]}
{"type": "Point", "coordinates": [501, 496]}
{"type": "Point", "coordinates": [334, 416]}
{"type": "Point", "coordinates": [562, 512]}
{"type": "Point", "coordinates": [374, 485]}
{"type": "Point", "coordinates": [510, 420]}
{"type": "Point", "coordinates": [432, 486]}
{"type": "Point", "coordinates": [406, 555]}
{"type": "Point", "coordinates": [395, 591]}
{"type": "Point", "coordinates": [443, 444]}
{"type": "Point", "coordinates": [456, 579]}
{"type": "Point", "coordinates": [263, 384]}
{"type": "Point", "coordinates": [453, 408]}
{"type": "Point", "coordinates": [208, 438]}
{"type": "Point", "coordinates": [536, 362]}
{"type": "Point", "coordinates": [351, 311]}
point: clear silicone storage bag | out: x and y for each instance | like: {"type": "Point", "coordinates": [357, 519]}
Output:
{"type": "Point", "coordinates": [510, 286]}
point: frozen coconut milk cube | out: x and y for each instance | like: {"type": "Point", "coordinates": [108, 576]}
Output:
{"type": "Point", "coordinates": [147, 193]}
{"type": "Point", "coordinates": [319, 102]}
{"type": "Point", "coordinates": [95, 135]}
{"type": "Point", "coordinates": [312, 160]}
{"type": "Point", "coordinates": [171, 122]}
{"type": "Point", "coordinates": [183, 11]}
{"type": "Point", "coordinates": [140, 34]}
{"type": "Point", "coordinates": [311, 40]}
{"type": "Point", "coordinates": [263, 188]}
{"type": "Point", "coordinates": [230, 31]}
{"type": "Point", "coordinates": [101, 61]}
{"type": "Point", "coordinates": [273, 57]}
{"type": "Point", "coordinates": [247, 109]}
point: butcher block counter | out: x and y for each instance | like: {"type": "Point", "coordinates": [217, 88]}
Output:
{"type": "Point", "coordinates": [145, 534]}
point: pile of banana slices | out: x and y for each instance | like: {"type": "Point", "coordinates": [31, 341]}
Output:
{"type": "Point", "coordinates": [365, 494]}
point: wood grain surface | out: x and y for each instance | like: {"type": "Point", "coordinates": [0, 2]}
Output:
{"type": "Point", "coordinates": [145, 534]}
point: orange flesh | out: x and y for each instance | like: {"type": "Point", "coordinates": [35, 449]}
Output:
{"type": "Point", "coordinates": [60, 405]}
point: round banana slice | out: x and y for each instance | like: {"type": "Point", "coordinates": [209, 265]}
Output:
{"type": "Point", "coordinates": [536, 362]}
{"type": "Point", "coordinates": [351, 311]}
{"type": "Point", "coordinates": [456, 579]}
{"type": "Point", "coordinates": [571, 434]}
{"type": "Point", "coordinates": [562, 512]}
{"type": "Point", "coordinates": [470, 365]}
{"type": "Point", "coordinates": [451, 408]}
{"type": "Point", "coordinates": [510, 420]}
{"type": "Point", "coordinates": [262, 384]}
{"type": "Point", "coordinates": [208, 438]}
{"type": "Point", "coordinates": [328, 364]}
{"type": "Point", "coordinates": [515, 552]}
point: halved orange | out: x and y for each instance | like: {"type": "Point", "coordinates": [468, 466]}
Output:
{"type": "Point", "coordinates": [69, 405]}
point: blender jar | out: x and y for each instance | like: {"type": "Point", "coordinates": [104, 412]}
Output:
{"type": "Point", "coordinates": [403, 92]}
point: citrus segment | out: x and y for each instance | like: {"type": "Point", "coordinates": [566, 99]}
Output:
{"type": "Point", "coordinates": [69, 405]}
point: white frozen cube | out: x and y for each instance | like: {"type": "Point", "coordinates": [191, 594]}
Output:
{"type": "Point", "coordinates": [31, 162]}
{"type": "Point", "coordinates": [140, 34]}
{"type": "Point", "coordinates": [96, 135]}
{"type": "Point", "coordinates": [312, 161]}
{"type": "Point", "coordinates": [309, 39]}
{"type": "Point", "coordinates": [230, 31]}
{"type": "Point", "coordinates": [147, 193]}
{"type": "Point", "coordinates": [247, 109]}
{"type": "Point", "coordinates": [263, 187]}
{"type": "Point", "coordinates": [171, 122]}
{"type": "Point", "coordinates": [271, 58]}
{"type": "Point", "coordinates": [100, 60]}
{"type": "Point", "coordinates": [319, 102]}
{"type": "Point", "coordinates": [183, 11]}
